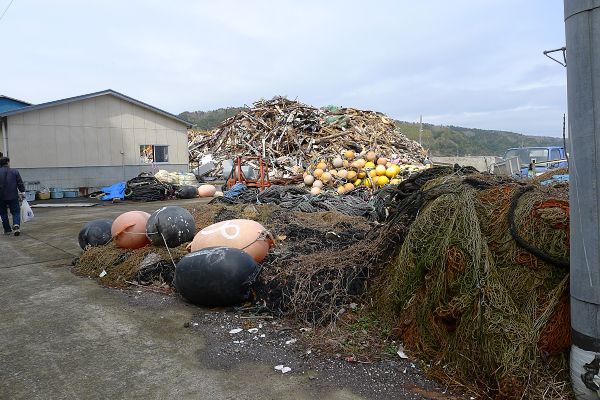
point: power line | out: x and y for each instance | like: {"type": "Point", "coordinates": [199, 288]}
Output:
{"type": "Point", "coordinates": [6, 9]}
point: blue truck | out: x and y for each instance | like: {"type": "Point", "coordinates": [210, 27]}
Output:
{"type": "Point", "coordinates": [532, 161]}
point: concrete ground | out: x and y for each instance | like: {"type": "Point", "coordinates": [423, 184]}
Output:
{"type": "Point", "coordinates": [66, 337]}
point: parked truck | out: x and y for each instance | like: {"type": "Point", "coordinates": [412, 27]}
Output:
{"type": "Point", "coordinates": [531, 161]}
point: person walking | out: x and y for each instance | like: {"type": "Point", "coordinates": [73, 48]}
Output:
{"type": "Point", "coordinates": [11, 188]}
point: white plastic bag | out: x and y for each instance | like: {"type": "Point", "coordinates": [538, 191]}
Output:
{"type": "Point", "coordinates": [26, 212]}
{"type": "Point", "coordinates": [163, 176]}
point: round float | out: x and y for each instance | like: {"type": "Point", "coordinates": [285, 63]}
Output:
{"type": "Point", "coordinates": [129, 230]}
{"type": "Point", "coordinates": [175, 224]}
{"type": "Point", "coordinates": [187, 192]}
{"type": "Point", "coordinates": [216, 276]}
{"type": "Point", "coordinates": [207, 191]}
{"type": "Point", "coordinates": [95, 233]}
{"type": "Point", "coordinates": [243, 234]}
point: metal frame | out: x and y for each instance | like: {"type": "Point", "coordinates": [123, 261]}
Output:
{"type": "Point", "coordinates": [237, 174]}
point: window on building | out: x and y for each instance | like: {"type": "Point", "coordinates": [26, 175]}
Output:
{"type": "Point", "coordinates": [554, 154]}
{"type": "Point", "coordinates": [150, 153]}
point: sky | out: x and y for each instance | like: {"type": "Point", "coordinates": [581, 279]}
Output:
{"type": "Point", "coordinates": [472, 63]}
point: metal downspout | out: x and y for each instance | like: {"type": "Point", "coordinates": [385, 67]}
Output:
{"type": "Point", "coordinates": [4, 128]}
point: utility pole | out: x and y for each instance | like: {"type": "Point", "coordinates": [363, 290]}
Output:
{"type": "Point", "coordinates": [583, 97]}
{"type": "Point", "coordinates": [421, 130]}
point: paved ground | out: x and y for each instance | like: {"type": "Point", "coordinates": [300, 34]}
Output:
{"type": "Point", "coordinates": [65, 337]}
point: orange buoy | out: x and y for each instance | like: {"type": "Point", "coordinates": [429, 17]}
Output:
{"type": "Point", "coordinates": [207, 191]}
{"type": "Point", "coordinates": [243, 234]}
{"type": "Point", "coordinates": [129, 230]}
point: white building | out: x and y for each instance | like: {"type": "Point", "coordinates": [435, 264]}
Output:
{"type": "Point", "coordinates": [92, 140]}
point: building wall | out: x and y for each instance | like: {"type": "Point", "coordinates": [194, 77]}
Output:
{"type": "Point", "coordinates": [92, 142]}
{"type": "Point", "coordinates": [482, 163]}
{"type": "Point", "coordinates": [89, 177]}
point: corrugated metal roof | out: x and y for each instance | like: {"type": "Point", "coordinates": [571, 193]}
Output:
{"type": "Point", "coordinates": [9, 104]}
{"type": "Point", "coordinates": [92, 95]}
{"type": "Point", "coordinates": [13, 99]}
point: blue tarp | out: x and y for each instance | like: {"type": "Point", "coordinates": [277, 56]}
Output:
{"type": "Point", "coordinates": [116, 191]}
{"type": "Point", "coordinates": [556, 178]}
{"type": "Point", "coordinates": [235, 191]}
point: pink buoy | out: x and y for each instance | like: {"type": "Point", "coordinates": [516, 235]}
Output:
{"type": "Point", "coordinates": [129, 230]}
{"type": "Point", "coordinates": [243, 234]}
{"type": "Point", "coordinates": [207, 191]}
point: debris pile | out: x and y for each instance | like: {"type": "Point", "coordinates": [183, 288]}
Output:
{"type": "Point", "coordinates": [291, 135]}
{"type": "Point", "coordinates": [479, 285]}
{"type": "Point", "coordinates": [195, 135]}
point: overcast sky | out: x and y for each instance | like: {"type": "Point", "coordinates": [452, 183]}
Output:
{"type": "Point", "coordinates": [473, 63]}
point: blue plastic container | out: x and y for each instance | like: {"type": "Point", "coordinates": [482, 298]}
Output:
{"type": "Point", "coordinates": [71, 193]}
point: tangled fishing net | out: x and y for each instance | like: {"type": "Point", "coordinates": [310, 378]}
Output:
{"type": "Point", "coordinates": [479, 285]}
{"type": "Point", "coordinates": [471, 270]}
{"type": "Point", "coordinates": [319, 266]}
{"type": "Point", "coordinates": [294, 198]}
{"type": "Point", "coordinates": [116, 267]}
{"type": "Point", "coordinates": [145, 187]}
{"type": "Point", "coordinates": [301, 276]}
{"type": "Point", "coordinates": [328, 259]}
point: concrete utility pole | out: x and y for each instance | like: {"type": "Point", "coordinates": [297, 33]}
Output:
{"type": "Point", "coordinates": [582, 28]}
{"type": "Point", "coordinates": [421, 130]}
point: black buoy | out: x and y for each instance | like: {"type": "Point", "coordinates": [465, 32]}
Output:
{"type": "Point", "coordinates": [95, 233]}
{"type": "Point", "coordinates": [175, 224]}
{"type": "Point", "coordinates": [187, 192]}
{"type": "Point", "coordinates": [216, 276]}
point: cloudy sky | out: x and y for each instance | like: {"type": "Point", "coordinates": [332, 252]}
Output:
{"type": "Point", "coordinates": [474, 63]}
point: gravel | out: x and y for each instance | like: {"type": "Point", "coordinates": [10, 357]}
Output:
{"type": "Point", "coordinates": [232, 338]}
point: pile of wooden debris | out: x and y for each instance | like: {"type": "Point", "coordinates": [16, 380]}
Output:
{"type": "Point", "coordinates": [291, 135]}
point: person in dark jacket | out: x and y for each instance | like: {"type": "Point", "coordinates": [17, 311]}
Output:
{"type": "Point", "coordinates": [11, 188]}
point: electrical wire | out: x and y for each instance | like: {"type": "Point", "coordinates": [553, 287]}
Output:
{"type": "Point", "coordinates": [6, 9]}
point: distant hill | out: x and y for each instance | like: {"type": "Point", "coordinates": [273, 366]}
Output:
{"type": "Point", "coordinates": [439, 140]}
{"type": "Point", "coordinates": [207, 120]}
{"type": "Point", "coordinates": [455, 140]}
